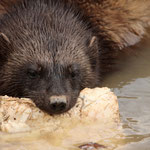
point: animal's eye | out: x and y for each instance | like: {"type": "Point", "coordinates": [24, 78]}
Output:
{"type": "Point", "coordinates": [73, 71]}
{"type": "Point", "coordinates": [73, 74]}
{"type": "Point", "coordinates": [32, 74]}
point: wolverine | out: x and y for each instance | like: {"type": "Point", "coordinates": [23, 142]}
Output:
{"type": "Point", "coordinates": [52, 49]}
{"type": "Point", "coordinates": [47, 54]}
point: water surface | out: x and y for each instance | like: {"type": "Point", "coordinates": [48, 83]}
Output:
{"type": "Point", "coordinates": [132, 86]}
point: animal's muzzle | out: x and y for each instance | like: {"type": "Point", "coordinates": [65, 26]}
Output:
{"type": "Point", "coordinates": [58, 104]}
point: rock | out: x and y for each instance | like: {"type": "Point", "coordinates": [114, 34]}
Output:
{"type": "Point", "coordinates": [20, 115]}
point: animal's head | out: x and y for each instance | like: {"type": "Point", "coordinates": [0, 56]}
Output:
{"type": "Point", "coordinates": [48, 59]}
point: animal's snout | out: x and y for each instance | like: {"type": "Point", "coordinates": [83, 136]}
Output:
{"type": "Point", "coordinates": [58, 104]}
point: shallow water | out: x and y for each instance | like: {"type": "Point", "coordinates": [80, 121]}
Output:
{"type": "Point", "coordinates": [132, 86]}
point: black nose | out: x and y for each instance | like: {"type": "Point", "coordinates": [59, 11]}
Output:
{"type": "Point", "coordinates": [58, 104]}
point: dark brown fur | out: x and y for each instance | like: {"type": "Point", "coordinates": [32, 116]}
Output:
{"type": "Point", "coordinates": [122, 21]}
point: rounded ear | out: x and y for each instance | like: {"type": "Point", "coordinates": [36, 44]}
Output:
{"type": "Point", "coordinates": [93, 51]}
{"type": "Point", "coordinates": [5, 47]}
{"type": "Point", "coordinates": [4, 38]}
{"type": "Point", "coordinates": [92, 41]}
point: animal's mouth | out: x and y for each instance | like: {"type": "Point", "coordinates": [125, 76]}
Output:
{"type": "Point", "coordinates": [55, 108]}
{"type": "Point", "coordinates": [55, 104]}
